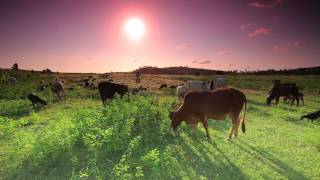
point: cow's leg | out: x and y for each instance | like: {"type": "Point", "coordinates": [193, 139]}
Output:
{"type": "Point", "coordinates": [296, 97]}
{"type": "Point", "coordinates": [204, 121]}
{"type": "Point", "coordinates": [235, 125]}
{"type": "Point", "coordinates": [302, 100]}
{"type": "Point", "coordinates": [277, 99]}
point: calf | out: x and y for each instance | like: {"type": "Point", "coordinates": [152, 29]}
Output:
{"type": "Point", "coordinates": [281, 90]}
{"type": "Point", "coordinates": [12, 80]}
{"type": "Point", "coordinates": [311, 116]}
{"type": "Point", "coordinates": [36, 101]}
{"type": "Point", "coordinates": [163, 86]}
{"type": "Point", "coordinates": [199, 106]}
{"type": "Point", "coordinates": [108, 89]}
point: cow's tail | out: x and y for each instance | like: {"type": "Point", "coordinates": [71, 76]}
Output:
{"type": "Point", "coordinates": [243, 126]}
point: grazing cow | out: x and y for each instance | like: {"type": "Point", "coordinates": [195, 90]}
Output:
{"type": "Point", "coordinates": [311, 116]}
{"type": "Point", "coordinates": [218, 83]}
{"type": "Point", "coordinates": [194, 85]}
{"type": "Point", "coordinates": [12, 80]}
{"type": "Point", "coordinates": [281, 90]}
{"type": "Point", "coordinates": [42, 87]}
{"type": "Point", "coordinates": [163, 86]}
{"type": "Point", "coordinates": [180, 92]}
{"type": "Point", "coordinates": [58, 89]}
{"type": "Point", "coordinates": [108, 89]}
{"type": "Point", "coordinates": [135, 90]}
{"type": "Point", "coordinates": [198, 106]}
{"type": "Point", "coordinates": [140, 88]}
{"type": "Point", "coordinates": [36, 101]}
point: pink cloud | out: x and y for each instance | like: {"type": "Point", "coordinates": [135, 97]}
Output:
{"type": "Point", "coordinates": [183, 46]}
{"type": "Point", "coordinates": [224, 52]}
{"type": "Point", "coordinates": [287, 46]}
{"type": "Point", "coordinates": [298, 43]}
{"type": "Point", "coordinates": [194, 61]}
{"type": "Point", "coordinates": [205, 62]}
{"type": "Point", "coordinates": [260, 31]}
{"type": "Point", "coordinates": [245, 26]}
{"type": "Point", "coordinates": [266, 5]}
{"type": "Point", "coordinates": [281, 47]}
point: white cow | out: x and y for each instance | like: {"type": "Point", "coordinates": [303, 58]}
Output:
{"type": "Point", "coordinates": [194, 85]}
{"type": "Point", "coordinates": [191, 85]}
{"type": "Point", "coordinates": [12, 80]}
{"type": "Point", "coordinates": [218, 83]}
{"type": "Point", "coordinates": [180, 92]}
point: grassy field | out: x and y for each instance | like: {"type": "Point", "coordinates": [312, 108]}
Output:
{"type": "Point", "coordinates": [130, 137]}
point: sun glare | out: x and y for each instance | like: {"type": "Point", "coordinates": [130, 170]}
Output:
{"type": "Point", "coordinates": [134, 28]}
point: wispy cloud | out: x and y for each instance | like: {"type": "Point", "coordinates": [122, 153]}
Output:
{"type": "Point", "coordinates": [273, 4]}
{"type": "Point", "coordinates": [245, 26]}
{"type": "Point", "coordinates": [194, 61]}
{"type": "Point", "coordinates": [223, 52]}
{"type": "Point", "coordinates": [205, 62]}
{"type": "Point", "coordinates": [183, 46]}
{"type": "Point", "coordinates": [260, 31]}
{"type": "Point", "coordinates": [298, 43]}
{"type": "Point", "coordinates": [285, 47]}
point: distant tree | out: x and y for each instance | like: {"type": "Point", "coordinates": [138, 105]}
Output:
{"type": "Point", "coordinates": [197, 73]}
{"type": "Point", "coordinates": [15, 66]}
{"type": "Point", "coordinates": [47, 71]}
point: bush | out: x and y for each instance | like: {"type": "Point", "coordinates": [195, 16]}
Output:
{"type": "Point", "coordinates": [15, 108]}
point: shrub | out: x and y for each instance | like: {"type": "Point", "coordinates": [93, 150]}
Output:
{"type": "Point", "coordinates": [15, 108]}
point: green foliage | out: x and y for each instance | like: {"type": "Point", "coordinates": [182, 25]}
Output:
{"type": "Point", "coordinates": [15, 108]}
{"type": "Point", "coordinates": [130, 138]}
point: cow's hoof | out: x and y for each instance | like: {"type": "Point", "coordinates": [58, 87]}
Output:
{"type": "Point", "coordinates": [229, 139]}
{"type": "Point", "coordinates": [208, 139]}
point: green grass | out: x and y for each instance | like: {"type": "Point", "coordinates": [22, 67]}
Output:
{"type": "Point", "coordinates": [130, 138]}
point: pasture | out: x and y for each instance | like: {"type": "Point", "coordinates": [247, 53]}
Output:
{"type": "Point", "coordinates": [130, 137]}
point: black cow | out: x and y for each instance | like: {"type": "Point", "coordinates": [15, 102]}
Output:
{"type": "Point", "coordinates": [108, 89]}
{"type": "Point", "coordinates": [311, 116]}
{"type": "Point", "coordinates": [163, 86]}
{"type": "Point", "coordinates": [283, 90]}
{"type": "Point", "coordinates": [36, 101]}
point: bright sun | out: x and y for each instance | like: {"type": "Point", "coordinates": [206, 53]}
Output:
{"type": "Point", "coordinates": [134, 28]}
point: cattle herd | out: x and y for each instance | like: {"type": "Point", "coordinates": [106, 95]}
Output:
{"type": "Point", "coordinates": [200, 100]}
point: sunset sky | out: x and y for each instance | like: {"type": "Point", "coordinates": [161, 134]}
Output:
{"type": "Point", "coordinates": [91, 36]}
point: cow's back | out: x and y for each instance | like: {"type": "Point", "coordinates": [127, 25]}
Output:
{"type": "Point", "coordinates": [108, 89]}
{"type": "Point", "coordinates": [219, 101]}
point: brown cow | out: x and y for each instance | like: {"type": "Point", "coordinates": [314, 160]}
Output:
{"type": "Point", "coordinates": [199, 106]}
{"type": "Point", "coordinates": [58, 89]}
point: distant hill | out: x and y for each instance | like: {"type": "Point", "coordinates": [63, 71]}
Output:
{"type": "Point", "coordinates": [183, 70]}
{"type": "Point", "coordinates": [298, 71]}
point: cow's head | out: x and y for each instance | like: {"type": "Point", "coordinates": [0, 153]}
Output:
{"type": "Point", "coordinates": [269, 99]}
{"type": "Point", "coordinates": [175, 122]}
